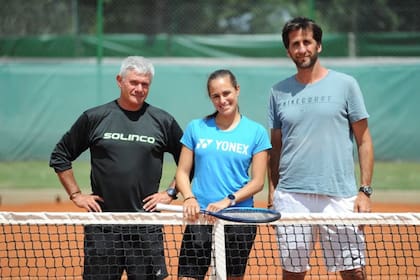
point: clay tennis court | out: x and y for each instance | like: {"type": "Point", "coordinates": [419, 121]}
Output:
{"type": "Point", "coordinates": [259, 263]}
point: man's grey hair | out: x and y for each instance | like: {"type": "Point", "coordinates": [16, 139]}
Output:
{"type": "Point", "coordinates": [139, 64]}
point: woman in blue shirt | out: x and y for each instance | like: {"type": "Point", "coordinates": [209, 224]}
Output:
{"type": "Point", "coordinates": [221, 148]}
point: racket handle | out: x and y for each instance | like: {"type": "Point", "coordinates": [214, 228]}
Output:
{"type": "Point", "coordinates": [169, 207]}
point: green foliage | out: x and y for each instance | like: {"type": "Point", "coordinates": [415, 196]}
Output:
{"type": "Point", "coordinates": [24, 18]}
{"type": "Point", "coordinates": [38, 175]}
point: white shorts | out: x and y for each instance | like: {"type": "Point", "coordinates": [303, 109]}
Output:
{"type": "Point", "coordinates": [343, 246]}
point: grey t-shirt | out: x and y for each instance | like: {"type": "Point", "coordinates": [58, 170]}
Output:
{"type": "Point", "coordinates": [317, 139]}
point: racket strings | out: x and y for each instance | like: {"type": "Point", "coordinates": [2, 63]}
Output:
{"type": "Point", "coordinates": [252, 215]}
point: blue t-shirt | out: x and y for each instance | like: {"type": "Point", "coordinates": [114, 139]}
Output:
{"type": "Point", "coordinates": [317, 139]}
{"type": "Point", "coordinates": [222, 158]}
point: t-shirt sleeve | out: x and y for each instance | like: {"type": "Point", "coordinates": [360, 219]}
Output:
{"type": "Point", "coordinates": [71, 145]}
{"type": "Point", "coordinates": [262, 140]}
{"type": "Point", "coordinates": [187, 139]}
{"type": "Point", "coordinates": [356, 105]}
{"type": "Point", "coordinates": [174, 144]}
{"type": "Point", "coordinates": [273, 120]}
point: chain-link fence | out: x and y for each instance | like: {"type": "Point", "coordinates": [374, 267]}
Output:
{"type": "Point", "coordinates": [203, 28]}
{"type": "Point", "coordinates": [44, 17]}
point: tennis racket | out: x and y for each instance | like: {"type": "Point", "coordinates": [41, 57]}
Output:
{"type": "Point", "coordinates": [233, 214]}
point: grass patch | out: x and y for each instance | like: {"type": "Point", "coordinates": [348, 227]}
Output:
{"type": "Point", "coordinates": [397, 175]}
{"type": "Point", "coordinates": [38, 175]}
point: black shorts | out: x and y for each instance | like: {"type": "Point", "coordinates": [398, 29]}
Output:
{"type": "Point", "coordinates": [195, 255]}
{"type": "Point", "coordinates": [111, 249]}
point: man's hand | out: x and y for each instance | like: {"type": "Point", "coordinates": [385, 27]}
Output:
{"type": "Point", "coordinates": [363, 203]}
{"type": "Point", "coordinates": [88, 202]}
{"type": "Point", "coordinates": [151, 201]}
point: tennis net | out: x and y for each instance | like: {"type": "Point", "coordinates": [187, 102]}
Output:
{"type": "Point", "coordinates": [50, 245]}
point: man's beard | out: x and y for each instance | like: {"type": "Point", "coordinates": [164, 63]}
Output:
{"type": "Point", "coordinates": [306, 64]}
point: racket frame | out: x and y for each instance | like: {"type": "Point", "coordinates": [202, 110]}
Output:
{"type": "Point", "coordinates": [224, 214]}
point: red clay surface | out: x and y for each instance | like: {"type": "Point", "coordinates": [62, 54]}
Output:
{"type": "Point", "coordinates": [260, 266]}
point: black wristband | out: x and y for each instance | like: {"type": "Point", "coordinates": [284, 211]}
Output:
{"type": "Point", "coordinates": [172, 192]}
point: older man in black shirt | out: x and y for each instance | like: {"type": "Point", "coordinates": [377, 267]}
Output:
{"type": "Point", "coordinates": [127, 139]}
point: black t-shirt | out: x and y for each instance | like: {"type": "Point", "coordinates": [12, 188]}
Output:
{"type": "Point", "coordinates": [126, 149]}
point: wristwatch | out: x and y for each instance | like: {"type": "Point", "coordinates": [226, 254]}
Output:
{"type": "Point", "coordinates": [232, 199]}
{"type": "Point", "coordinates": [367, 190]}
{"type": "Point", "coordinates": [172, 192]}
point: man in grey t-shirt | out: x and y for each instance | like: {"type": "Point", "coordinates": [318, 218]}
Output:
{"type": "Point", "coordinates": [314, 116]}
